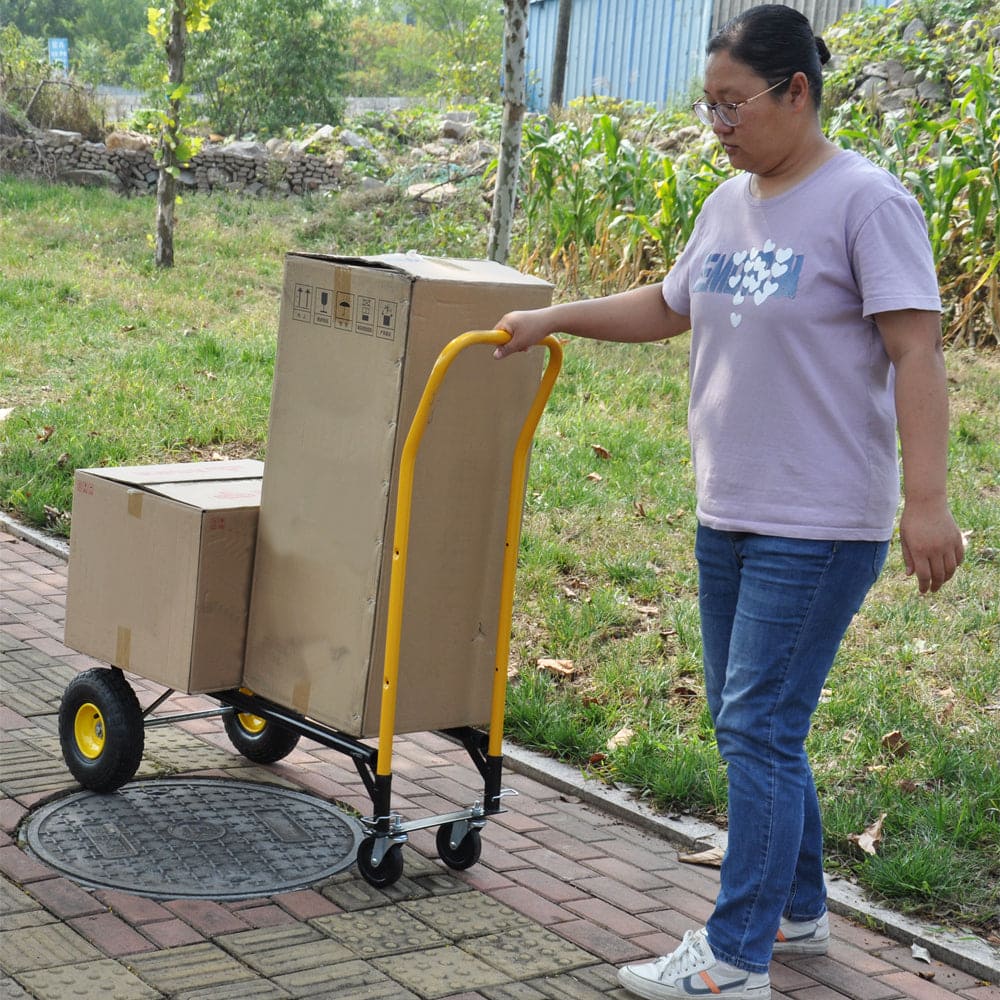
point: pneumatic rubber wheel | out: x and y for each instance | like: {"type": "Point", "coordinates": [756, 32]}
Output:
{"type": "Point", "coordinates": [101, 729]}
{"type": "Point", "coordinates": [388, 872]}
{"type": "Point", "coordinates": [465, 854]}
{"type": "Point", "coordinates": [259, 740]}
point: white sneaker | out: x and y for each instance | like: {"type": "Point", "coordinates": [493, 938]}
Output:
{"type": "Point", "coordinates": [693, 971]}
{"type": "Point", "coordinates": [807, 937]}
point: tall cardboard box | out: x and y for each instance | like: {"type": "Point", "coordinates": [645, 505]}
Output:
{"type": "Point", "coordinates": [357, 340]}
{"type": "Point", "coordinates": [160, 567]}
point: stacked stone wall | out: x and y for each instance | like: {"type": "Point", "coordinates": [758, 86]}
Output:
{"type": "Point", "coordinates": [126, 164]}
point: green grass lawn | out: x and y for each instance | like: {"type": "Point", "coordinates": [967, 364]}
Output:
{"type": "Point", "coordinates": [106, 360]}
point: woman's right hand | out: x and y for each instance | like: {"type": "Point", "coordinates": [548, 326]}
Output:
{"type": "Point", "coordinates": [632, 317]}
{"type": "Point", "coordinates": [526, 327]}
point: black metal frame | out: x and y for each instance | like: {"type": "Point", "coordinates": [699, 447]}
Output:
{"type": "Point", "coordinates": [378, 786]}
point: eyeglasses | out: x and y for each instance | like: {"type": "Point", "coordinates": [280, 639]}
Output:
{"type": "Point", "coordinates": [727, 112]}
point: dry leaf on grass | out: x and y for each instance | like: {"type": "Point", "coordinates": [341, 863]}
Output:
{"type": "Point", "coordinates": [622, 738]}
{"type": "Point", "coordinates": [871, 837]}
{"type": "Point", "coordinates": [595, 477]}
{"type": "Point", "coordinates": [712, 857]}
{"type": "Point", "coordinates": [683, 693]}
{"type": "Point", "coordinates": [601, 452]}
{"type": "Point", "coordinates": [561, 668]}
{"type": "Point", "coordinates": [895, 743]}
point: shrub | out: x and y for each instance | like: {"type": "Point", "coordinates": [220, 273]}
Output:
{"type": "Point", "coordinates": [32, 93]}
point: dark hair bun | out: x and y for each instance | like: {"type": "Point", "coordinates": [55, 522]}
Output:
{"type": "Point", "coordinates": [824, 52]}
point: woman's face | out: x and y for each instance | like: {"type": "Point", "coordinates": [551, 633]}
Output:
{"type": "Point", "coordinates": [765, 135]}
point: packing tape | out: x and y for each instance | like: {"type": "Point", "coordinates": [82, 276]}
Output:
{"type": "Point", "coordinates": [342, 280]}
{"type": "Point", "coordinates": [135, 503]}
{"type": "Point", "coordinates": [123, 647]}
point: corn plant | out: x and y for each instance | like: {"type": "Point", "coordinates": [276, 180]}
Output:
{"type": "Point", "coordinates": [680, 194]}
{"type": "Point", "coordinates": [952, 165]}
{"type": "Point", "coordinates": [603, 207]}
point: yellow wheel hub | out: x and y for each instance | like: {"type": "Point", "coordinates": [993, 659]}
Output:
{"type": "Point", "coordinates": [89, 730]}
{"type": "Point", "coordinates": [253, 724]}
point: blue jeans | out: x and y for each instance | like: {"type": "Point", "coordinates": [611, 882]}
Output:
{"type": "Point", "coordinates": [773, 613]}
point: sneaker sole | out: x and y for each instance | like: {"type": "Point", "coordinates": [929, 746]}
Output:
{"type": "Point", "coordinates": [811, 947]}
{"type": "Point", "coordinates": [657, 991]}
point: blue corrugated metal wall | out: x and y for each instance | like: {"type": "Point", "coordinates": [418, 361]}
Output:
{"type": "Point", "coordinates": [641, 50]}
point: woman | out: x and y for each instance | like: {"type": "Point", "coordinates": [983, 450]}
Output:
{"type": "Point", "coordinates": [809, 287]}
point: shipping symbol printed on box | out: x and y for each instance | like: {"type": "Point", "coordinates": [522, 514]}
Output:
{"type": "Point", "coordinates": [344, 310]}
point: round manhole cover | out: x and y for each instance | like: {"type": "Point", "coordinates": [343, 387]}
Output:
{"type": "Point", "coordinates": [194, 839]}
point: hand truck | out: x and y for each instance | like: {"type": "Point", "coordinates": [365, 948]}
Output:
{"type": "Point", "coordinates": [102, 726]}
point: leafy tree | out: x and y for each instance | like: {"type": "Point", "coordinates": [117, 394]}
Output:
{"type": "Point", "coordinates": [389, 58]}
{"type": "Point", "coordinates": [170, 27]}
{"type": "Point", "coordinates": [42, 18]}
{"type": "Point", "coordinates": [469, 47]}
{"type": "Point", "coordinates": [107, 37]}
{"type": "Point", "coordinates": [471, 62]}
{"type": "Point", "coordinates": [21, 70]}
{"type": "Point", "coordinates": [268, 66]}
{"type": "Point", "coordinates": [450, 48]}
{"type": "Point", "coordinates": [110, 38]}
{"type": "Point", "coordinates": [450, 17]}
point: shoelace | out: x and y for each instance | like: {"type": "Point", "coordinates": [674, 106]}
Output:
{"type": "Point", "coordinates": [685, 959]}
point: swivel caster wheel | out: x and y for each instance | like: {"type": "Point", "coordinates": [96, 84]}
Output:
{"type": "Point", "coordinates": [462, 855]}
{"type": "Point", "coordinates": [387, 872]}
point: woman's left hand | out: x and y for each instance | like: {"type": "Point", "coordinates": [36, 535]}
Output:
{"type": "Point", "coordinates": [932, 544]}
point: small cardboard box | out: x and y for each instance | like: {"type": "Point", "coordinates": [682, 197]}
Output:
{"type": "Point", "coordinates": [160, 568]}
{"type": "Point", "coordinates": [357, 340]}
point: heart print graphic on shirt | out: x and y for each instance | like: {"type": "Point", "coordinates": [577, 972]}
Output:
{"type": "Point", "coordinates": [754, 275]}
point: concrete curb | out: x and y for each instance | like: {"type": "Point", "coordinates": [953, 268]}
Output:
{"type": "Point", "coordinates": [47, 543]}
{"type": "Point", "coordinates": [969, 954]}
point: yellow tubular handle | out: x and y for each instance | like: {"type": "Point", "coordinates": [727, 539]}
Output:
{"type": "Point", "coordinates": [401, 534]}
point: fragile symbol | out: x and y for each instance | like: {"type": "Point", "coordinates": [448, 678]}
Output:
{"type": "Point", "coordinates": [324, 307]}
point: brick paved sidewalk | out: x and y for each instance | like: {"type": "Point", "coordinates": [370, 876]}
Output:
{"type": "Point", "coordinates": [565, 890]}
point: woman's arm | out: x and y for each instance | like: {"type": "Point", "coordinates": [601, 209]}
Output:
{"type": "Point", "coordinates": [629, 317]}
{"type": "Point", "coordinates": [932, 543]}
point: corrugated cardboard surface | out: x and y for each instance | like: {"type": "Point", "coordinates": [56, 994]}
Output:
{"type": "Point", "coordinates": [161, 562]}
{"type": "Point", "coordinates": [348, 379]}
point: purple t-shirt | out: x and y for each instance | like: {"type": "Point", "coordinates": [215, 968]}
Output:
{"type": "Point", "coordinates": [792, 420]}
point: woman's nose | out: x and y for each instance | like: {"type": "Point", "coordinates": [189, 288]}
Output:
{"type": "Point", "coordinates": [719, 127]}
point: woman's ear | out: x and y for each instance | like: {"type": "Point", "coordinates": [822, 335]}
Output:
{"type": "Point", "coordinates": [798, 90]}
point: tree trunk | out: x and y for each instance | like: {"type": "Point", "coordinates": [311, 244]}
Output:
{"type": "Point", "coordinates": [514, 96]}
{"type": "Point", "coordinates": [166, 183]}
{"type": "Point", "coordinates": [166, 197]}
{"type": "Point", "coordinates": [559, 57]}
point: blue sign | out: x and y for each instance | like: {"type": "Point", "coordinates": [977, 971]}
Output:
{"type": "Point", "coordinates": [59, 51]}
